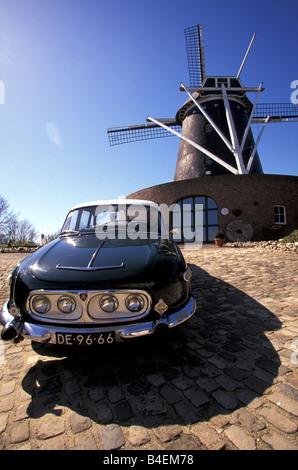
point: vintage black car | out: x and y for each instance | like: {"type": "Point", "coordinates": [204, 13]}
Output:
{"type": "Point", "coordinates": [114, 273]}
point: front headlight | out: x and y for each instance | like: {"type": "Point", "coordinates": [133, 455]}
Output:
{"type": "Point", "coordinates": [134, 303]}
{"type": "Point", "coordinates": [66, 304]}
{"type": "Point", "coordinates": [108, 303]}
{"type": "Point", "coordinates": [41, 304]}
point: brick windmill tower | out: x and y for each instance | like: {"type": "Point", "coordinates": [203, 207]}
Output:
{"type": "Point", "coordinates": [214, 124]}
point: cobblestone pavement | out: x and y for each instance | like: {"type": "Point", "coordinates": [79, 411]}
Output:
{"type": "Point", "coordinates": [225, 379]}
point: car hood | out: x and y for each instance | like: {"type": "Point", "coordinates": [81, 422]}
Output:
{"type": "Point", "coordinates": [88, 259]}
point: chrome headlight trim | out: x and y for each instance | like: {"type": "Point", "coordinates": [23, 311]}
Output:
{"type": "Point", "coordinates": [54, 313]}
{"type": "Point", "coordinates": [108, 303]}
{"type": "Point", "coordinates": [122, 313]}
{"type": "Point", "coordinates": [134, 302]}
{"type": "Point", "coordinates": [41, 304]}
{"type": "Point", "coordinates": [66, 304]}
{"type": "Point", "coordinates": [88, 308]}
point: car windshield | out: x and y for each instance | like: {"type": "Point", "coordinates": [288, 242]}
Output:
{"type": "Point", "coordinates": [131, 219]}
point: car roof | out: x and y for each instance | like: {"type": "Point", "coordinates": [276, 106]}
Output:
{"type": "Point", "coordinates": [109, 202]}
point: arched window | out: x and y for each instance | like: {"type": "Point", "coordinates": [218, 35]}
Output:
{"type": "Point", "coordinates": [184, 215]}
{"type": "Point", "coordinates": [280, 215]}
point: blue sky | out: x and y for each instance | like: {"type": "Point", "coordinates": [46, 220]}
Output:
{"type": "Point", "coordinates": [73, 68]}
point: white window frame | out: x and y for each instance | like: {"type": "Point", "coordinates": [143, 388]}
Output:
{"type": "Point", "coordinates": [281, 212]}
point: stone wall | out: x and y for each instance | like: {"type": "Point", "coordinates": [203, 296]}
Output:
{"type": "Point", "coordinates": [250, 198]}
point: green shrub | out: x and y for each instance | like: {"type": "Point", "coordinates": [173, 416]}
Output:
{"type": "Point", "coordinates": [219, 234]}
{"type": "Point", "coordinates": [293, 237]}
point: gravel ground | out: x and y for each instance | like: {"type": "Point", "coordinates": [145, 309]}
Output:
{"type": "Point", "coordinates": [226, 379]}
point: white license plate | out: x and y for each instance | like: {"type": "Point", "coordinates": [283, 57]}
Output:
{"type": "Point", "coordinates": [85, 339]}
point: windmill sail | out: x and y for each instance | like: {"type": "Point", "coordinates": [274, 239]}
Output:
{"type": "Point", "coordinates": [214, 124]}
{"type": "Point", "coordinates": [195, 54]}
{"type": "Point", "coordinates": [278, 112]}
{"type": "Point", "coordinates": [127, 134]}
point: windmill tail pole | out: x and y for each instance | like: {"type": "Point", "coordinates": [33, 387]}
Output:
{"type": "Point", "coordinates": [245, 57]}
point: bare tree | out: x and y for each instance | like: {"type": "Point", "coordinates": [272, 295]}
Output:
{"type": "Point", "coordinates": [6, 217]}
{"type": "Point", "coordinates": [52, 236]}
{"type": "Point", "coordinates": [25, 232]}
{"type": "Point", "coordinates": [11, 229]}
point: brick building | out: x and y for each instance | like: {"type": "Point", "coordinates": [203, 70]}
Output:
{"type": "Point", "coordinates": [246, 207]}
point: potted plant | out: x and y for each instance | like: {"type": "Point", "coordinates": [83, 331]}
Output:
{"type": "Point", "coordinates": [219, 238]}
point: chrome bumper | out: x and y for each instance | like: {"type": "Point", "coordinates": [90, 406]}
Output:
{"type": "Point", "coordinates": [48, 333]}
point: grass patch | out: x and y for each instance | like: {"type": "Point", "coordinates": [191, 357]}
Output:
{"type": "Point", "coordinates": [293, 237]}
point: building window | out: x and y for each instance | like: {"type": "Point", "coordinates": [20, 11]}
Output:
{"type": "Point", "coordinates": [208, 128]}
{"type": "Point", "coordinates": [184, 216]}
{"type": "Point", "coordinates": [223, 80]}
{"type": "Point", "coordinates": [280, 215]}
{"type": "Point", "coordinates": [207, 160]}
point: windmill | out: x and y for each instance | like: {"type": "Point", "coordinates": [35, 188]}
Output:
{"type": "Point", "coordinates": [214, 124]}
